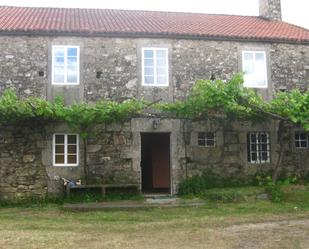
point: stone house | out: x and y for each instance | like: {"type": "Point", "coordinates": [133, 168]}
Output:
{"type": "Point", "coordinates": [89, 54]}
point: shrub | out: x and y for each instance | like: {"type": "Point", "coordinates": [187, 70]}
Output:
{"type": "Point", "coordinates": [197, 184]}
{"type": "Point", "coordinates": [224, 196]}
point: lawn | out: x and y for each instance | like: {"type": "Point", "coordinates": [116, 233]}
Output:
{"type": "Point", "coordinates": [246, 224]}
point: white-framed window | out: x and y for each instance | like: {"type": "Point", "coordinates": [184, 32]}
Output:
{"type": "Point", "coordinates": [206, 139]}
{"type": "Point", "coordinates": [258, 147]}
{"type": "Point", "coordinates": [155, 67]}
{"type": "Point", "coordinates": [255, 69]}
{"type": "Point", "coordinates": [301, 140]}
{"type": "Point", "coordinates": [65, 149]}
{"type": "Point", "coordinates": [65, 65]}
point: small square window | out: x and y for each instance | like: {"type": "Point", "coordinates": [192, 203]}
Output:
{"type": "Point", "coordinates": [65, 150]}
{"type": "Point", "coordinates": [206, 139]}
{"type": "Point", "coordinates": [301, 140]}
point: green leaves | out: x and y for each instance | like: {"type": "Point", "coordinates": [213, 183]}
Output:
{"type": "Point", "coordinates": [206, 98]}
{"type": "Point", "coordinates": [233, 100]}
{"type": "Point", "coordinates": [79, 116]}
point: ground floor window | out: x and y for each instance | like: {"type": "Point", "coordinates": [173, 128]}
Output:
{"type": "Point", "coordinates": [301, 140]}
{"type": "Point", "coordinates": [258, 147]}
{"type": "Point", "coordinates": [206, 139]}
{"type": "Point", "coordinates": [65, 149]}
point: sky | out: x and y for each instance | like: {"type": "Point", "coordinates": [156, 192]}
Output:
{"type": "Point", "coordinates": [293, 11]}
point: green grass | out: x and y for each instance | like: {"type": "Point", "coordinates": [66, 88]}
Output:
{"type": "Point", "coordinates": [50, 226]}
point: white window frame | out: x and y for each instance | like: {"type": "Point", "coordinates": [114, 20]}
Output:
{"type": "Point", "coordinates": [253, 84]}
{"type": "Point", "coordinates": [298, 140]}
{"type": "Point", "coordinates": [155, 49]}
{"type": "Point", "coordinates": [258, 159]}
{"type": "Point", "coordinates": [206, 139]}
{"type": "Point", "coordinates": [65, 47]}
{"type": "Point", "coordinates": [65, 150]}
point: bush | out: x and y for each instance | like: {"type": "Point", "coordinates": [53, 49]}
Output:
{"type": "Point", "coordinates": [224, 196]}
{"type": "Point", "coordinates": [197, 184]}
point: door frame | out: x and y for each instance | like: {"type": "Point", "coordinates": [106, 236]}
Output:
{"type": "Point", "coordinates": [170, 158]}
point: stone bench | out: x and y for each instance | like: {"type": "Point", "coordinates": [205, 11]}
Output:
{"type": "Point", "coordinates": [103, 187]}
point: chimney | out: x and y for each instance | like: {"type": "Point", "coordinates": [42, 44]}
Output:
{"type": "Point", "coordinates": [270, 9]}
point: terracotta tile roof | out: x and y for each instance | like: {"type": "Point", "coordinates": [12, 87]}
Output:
{"type": "Point", "coordinates": [146, 23]}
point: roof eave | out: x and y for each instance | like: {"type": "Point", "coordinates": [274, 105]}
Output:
{"type": "Point", "coordinates": [153, 35]}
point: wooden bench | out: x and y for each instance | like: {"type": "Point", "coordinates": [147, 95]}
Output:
{"type": "Point", "coordinates": [103, 187]}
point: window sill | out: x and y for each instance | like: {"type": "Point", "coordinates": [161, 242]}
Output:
{"type": "Point", "coordinates": [65, 165]}
{"type": "Point", "coordinates": [65, 84]}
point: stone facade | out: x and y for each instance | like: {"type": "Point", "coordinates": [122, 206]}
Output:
{"type": "Point", "coordinates": [22, 173]}
{"type": "Point", "coordinates": [114, 152]}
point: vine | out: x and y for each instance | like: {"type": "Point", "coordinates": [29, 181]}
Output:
{"type": "Point", "coordinates": [207, 99]}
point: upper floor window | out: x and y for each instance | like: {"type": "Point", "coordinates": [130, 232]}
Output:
{"type": "Point", "coordinates": [155, 66]}
{"type": "Point", "coordinates": [65, 65]}
{"type": "Point", "coordinates": [65, 150]}
{"type": "Point", "coordinates": [206, 139]}
{"type": "Point", "coordinates": [258, 147]}
{"type": "Point", "coordinates": [254, 66]}
{"type": "Point", "coordinates": [301, 140]}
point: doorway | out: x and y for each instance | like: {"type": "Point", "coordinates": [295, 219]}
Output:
{"type": "Point", "coordinates": [155, 162]}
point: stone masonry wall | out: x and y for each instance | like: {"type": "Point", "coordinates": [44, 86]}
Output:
{"type": "Point", "coordinates": [114, 151]}
{"type": "Point", "coordinates": [22, 173]}
{"type": "Point", "coordinates": [119, 62]}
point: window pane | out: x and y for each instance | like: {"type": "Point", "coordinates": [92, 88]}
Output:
{"type": "Point", "coordinates": [161, 80]}
{"type": "Point", "coordinates": [59, 159]}
{"type": "Point", "coordinates": [161, 54]}
{"type": "Point", "coordinates": [59, 139]}
{"type": "Point", "coordinates": [263, 138]}
{"type": "Point", "coordinates": [72, 61]}
{"type": "Point", "coordinates": [161, 62]}
{"type": "Point", "coordinates": [149, 71]}
{"type": "Point", "coordinates": [253, 147]}
{"type": "Point", "coordinates": [72, 52]}
{"type": "Point", "coordinates": [59, 149]}
{"type": "Point", "coordinates": [259, 69]}
{"type": "Point", "coordinates": [264, 147]}
{"type": "Point", "coordinates": [72, 159]}
{"type": "Point", "coordinates": [59, 74]}
{"type": "Point", "coordinates": [248, 68]}
{"type": "Point", "coordinates": [148, 53]}
{"type": "Point", "coordinates": [59, 61]}
{"type": "Point", "coordinates": [149, 79]}
{"type": "Point", "coordinates": [72, 75]}
{"type": "Point", "coordinates": [58, 52]}
{"type": "Point", "coordinates": [161, 71]}
{"type": "Point", "coordinates": [210, 142]}
{"type": "Point", "coordinates": [201, 135]}
{"type": "Point", "coordinates": [201, 142]}
{"type": "Point", "coordinates": [72, 139]}
{"type": "Point", "coordinates": [303, 136]}
{"type": "Point", "coordinates": [210, 135]}
{"type": "Point", "coordinates": [264, 156]}
{"type": "Point", "coordinates": [253, 138]}
{"type": "Point", "coordinates": [72, 149]}
{"type": "Point", "coordinates": [148, 62]}
{"type": "Point", "coordinates": [304, 144]}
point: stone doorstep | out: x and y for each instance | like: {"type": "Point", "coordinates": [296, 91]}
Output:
{"type": "Point", "coordinates": [130, 205]}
